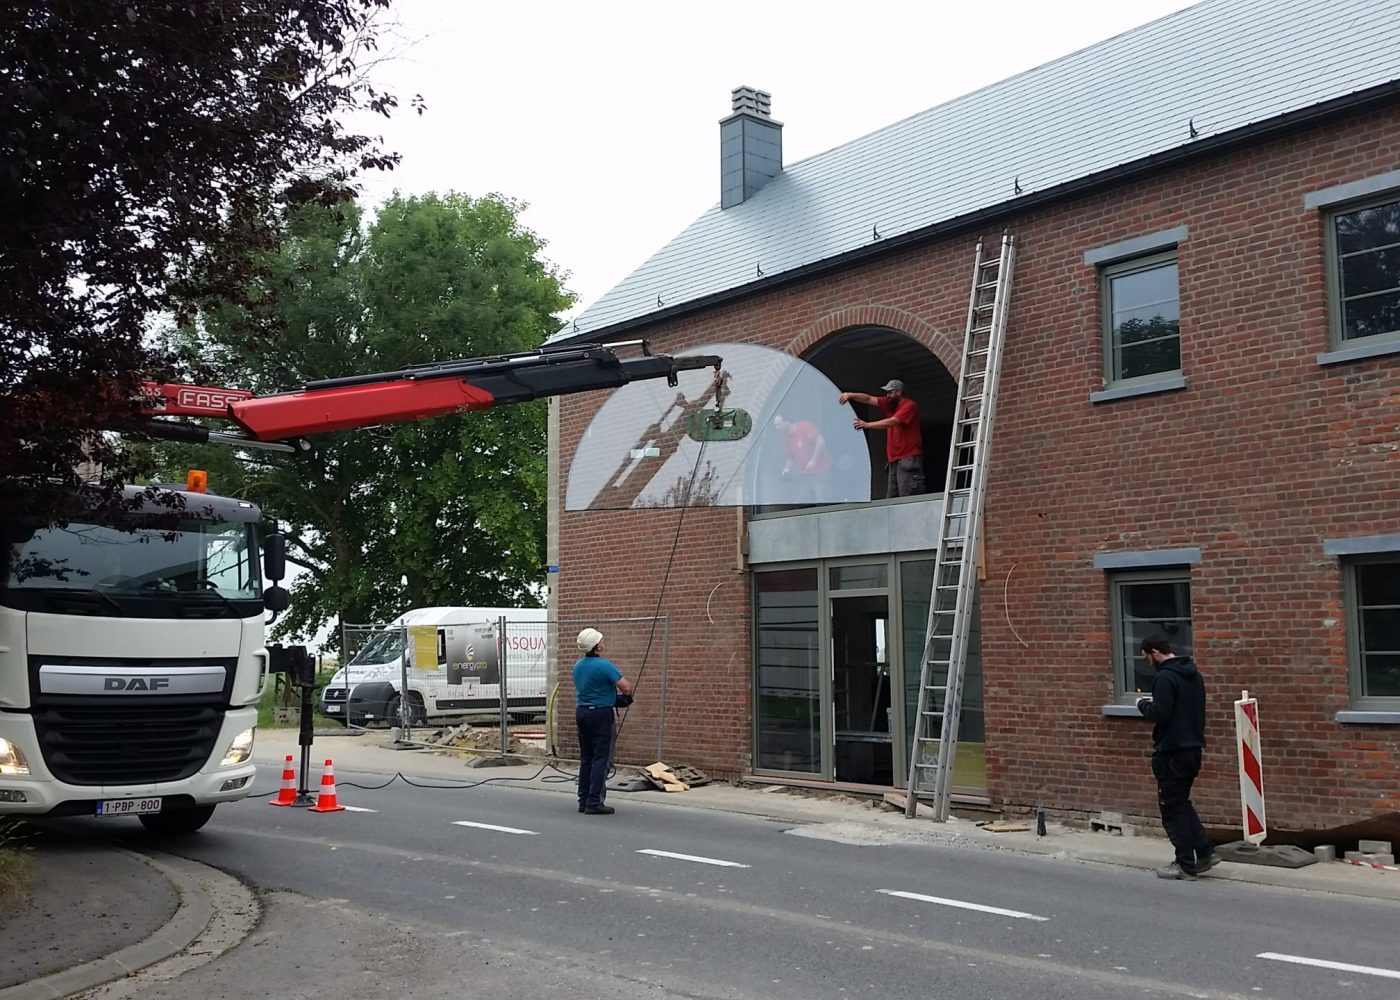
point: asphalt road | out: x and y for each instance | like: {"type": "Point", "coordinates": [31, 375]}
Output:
{"type": "Point", "coordinates": [661, 900]}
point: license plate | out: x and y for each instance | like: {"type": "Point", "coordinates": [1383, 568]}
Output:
{"type": "Point", "coordinates": [128, 807]}
{"type": "Point", "coordinates": [333, 709]}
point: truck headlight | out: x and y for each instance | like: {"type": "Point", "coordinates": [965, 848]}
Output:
{"type": "Point", "coordinates": [239, 750]}
{"type": "Point", "coordinates": [12, 759]}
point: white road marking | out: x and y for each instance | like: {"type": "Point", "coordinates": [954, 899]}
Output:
{"type": "Point", "coordinates": [692, 857]}
{"type": "Point", "coordinates": [962, 905]}
{"type": "Point", "coordinates": [498, 829]}
{"type": "Point", "coordinates": [360, 809]}
{"type": "Point", "coordinates": [1365, 970]}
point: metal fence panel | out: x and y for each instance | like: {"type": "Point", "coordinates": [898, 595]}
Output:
{"type": "Point", "coordinates": [454, 675]}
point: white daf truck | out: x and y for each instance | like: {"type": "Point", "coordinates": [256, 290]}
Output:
{"type": "Point", "coordinates": [132, 658]}
{"type": "Point", "coordinates": [452, 659]}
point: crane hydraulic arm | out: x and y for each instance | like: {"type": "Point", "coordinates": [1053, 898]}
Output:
{"type": "Point", "coordinates": [280, 421]}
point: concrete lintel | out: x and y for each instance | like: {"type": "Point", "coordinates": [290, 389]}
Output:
{"type": "Point", "coordinates": [1361, 545]}
{"type": "Point", "coordinates": [1149, 559]}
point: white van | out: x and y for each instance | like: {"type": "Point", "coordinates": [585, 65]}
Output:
{"type": "Point", "coordinates": [452, 657]}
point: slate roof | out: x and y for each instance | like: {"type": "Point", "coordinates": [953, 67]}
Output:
{"type": "Point", "coordinates": [1221, 66]}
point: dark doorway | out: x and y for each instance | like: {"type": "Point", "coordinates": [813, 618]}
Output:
{"type": "Point", "coordinates": [860, 663]}
{"type": "Point", "coordinates": [862, 360]}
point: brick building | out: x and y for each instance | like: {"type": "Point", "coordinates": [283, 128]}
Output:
{"type": "Point", "coordinates": [1198, 427]}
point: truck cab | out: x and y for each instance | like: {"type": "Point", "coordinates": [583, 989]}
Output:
{"type": "Point", "coordinates": [132, 658]}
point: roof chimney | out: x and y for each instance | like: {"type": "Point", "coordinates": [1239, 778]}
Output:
{"type": "Point", "coordinates": [750, 146]}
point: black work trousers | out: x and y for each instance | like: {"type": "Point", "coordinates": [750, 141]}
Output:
{"type": "Point", "coordinates": [595, 730]}
{"type": "Point", "coordinates": [1176, 771]}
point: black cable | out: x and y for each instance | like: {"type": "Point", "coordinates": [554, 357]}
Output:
{"type": "Point", "coordinates": [400, 776]}
{"type": "Point", "coordinates": [646, 656]}
{"type": "Point", "coordinates": [661, 593]}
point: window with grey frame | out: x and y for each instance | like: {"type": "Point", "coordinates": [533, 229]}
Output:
{"type": "Point", "coordinates": [1143, 602]}
{"type": "Point", "coordinates": [1141, 319]}
{"type": "Point", "coordinates": [1363, 244]}
{"type": "Point", "coordinates": [1373, 632]}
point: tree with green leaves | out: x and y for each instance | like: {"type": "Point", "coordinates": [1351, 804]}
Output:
{"type": "Point", "coordinates": [446, 511]}
{"type": "Point", "coordinates": [147, 151]}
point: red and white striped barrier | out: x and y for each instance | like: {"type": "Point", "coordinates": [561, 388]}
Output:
{"type": "Point", "coordinates": [1251, 769]}
{"type": "Point", "coordinates": [1370, 864]}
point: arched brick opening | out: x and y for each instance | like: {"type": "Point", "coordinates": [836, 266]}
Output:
{"type": "Point", "coordinates": [860, 348]}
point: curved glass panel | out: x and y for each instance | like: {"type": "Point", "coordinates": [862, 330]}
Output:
{"type": "Point", "coordinates": [780, 439]}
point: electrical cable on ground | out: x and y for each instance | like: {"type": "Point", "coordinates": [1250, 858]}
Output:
{"type": "Point", "coordinates": [563, 776]}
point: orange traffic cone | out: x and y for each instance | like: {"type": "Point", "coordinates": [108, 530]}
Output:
{"type": "Point", "coordinates": [287, 794]}
{"type": "Point", "coordinates": [325, 802]}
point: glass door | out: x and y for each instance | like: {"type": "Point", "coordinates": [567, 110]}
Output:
{"type": "Point", "coordinates": [860, 672]}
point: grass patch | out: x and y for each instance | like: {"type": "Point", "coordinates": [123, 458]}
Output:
{"type": "Point", "coordinates": [14, 864]}
{"type": "Point", "coordinates": [282, 695]}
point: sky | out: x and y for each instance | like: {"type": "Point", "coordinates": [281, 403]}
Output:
{"type": "Point", "coordinates": [603, 115]}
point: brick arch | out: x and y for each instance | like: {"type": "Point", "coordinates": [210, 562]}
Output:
{"type": "Point", "coordinates": [944, 346]}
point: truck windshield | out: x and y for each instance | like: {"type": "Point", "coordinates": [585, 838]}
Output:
{"type": "Point", "coordinates": [193, 557]}
{"type": "Point", "coordinates": [382, 647]}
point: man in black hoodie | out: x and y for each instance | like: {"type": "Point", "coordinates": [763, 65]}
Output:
{"type": "Point", "coordinates": [1177, 708]}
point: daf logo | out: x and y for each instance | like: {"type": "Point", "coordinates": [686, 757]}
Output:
{"type": "Point", "coordinates": [135, 683]}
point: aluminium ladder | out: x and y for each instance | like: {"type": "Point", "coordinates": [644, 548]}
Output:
{"type": "Point", "coordinates": [951, 601]}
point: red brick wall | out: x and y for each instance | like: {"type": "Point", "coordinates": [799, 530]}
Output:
{"type": "Point", "coordinates": [612, 566]}
{"type": "Point", "coordinates": [1264, 455]}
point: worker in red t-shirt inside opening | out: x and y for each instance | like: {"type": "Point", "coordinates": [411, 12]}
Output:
{"type": "Point", "coordinates": [904, 442]}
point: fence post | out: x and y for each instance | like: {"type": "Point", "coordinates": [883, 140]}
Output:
{"type": "Point", "coordinates": [501, 647]}
{"type": "Point", "coordinates": [1252, 816]}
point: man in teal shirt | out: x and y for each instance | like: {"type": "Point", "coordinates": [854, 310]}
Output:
{"type": "Point", "coordinates": [596, 683]}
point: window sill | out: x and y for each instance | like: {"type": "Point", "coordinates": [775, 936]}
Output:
{"type": "Point", "coordinates": [1124, 711]}
{"type": "Point", "coordinates": [1369, 717]}
{"type": "Point", "coordinates": [1166, 384]}
{"type": "Point", "coordinates": [1360, 352]}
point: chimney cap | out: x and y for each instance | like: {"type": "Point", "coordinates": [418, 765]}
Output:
{"type": "Point", "coordinates": [752, 101]}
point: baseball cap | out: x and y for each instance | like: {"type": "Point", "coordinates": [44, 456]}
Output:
{"type": "Point", "coordinates": [893, 385]}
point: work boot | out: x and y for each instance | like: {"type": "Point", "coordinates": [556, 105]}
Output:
{"type": "Point", "coordinates": [600, 810]}
{"type": "Point", "coordinates": [1175, 871]}
{"type": "Point", "coordinates": [1206, 864]}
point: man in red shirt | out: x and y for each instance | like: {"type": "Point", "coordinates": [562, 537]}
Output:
{"type": "Point", "coordinates": [806, 456]}
{"type": "Point", "coordinates": [904, 442]}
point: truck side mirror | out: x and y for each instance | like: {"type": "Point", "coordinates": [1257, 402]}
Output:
{"type": "Point", "coordinates": [276, 599]}
{"type": "Point", "coordinates": [275, 557]}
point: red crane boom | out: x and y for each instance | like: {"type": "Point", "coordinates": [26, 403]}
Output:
{"type": "Point", "coordinates": [281, 420]}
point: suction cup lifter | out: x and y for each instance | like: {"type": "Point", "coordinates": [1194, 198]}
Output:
{"type": "Point", "coordinates": [719, 423]}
